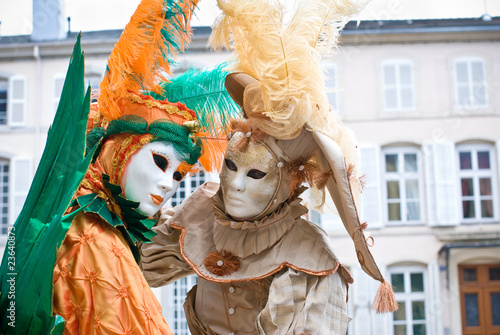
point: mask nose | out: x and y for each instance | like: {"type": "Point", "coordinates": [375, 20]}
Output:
{"type": "Point", "coordinates": [166, 184]}
{"type": "Point", "coordinates": [239, 183]}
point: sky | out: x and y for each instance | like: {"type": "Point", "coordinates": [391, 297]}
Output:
{"type": "Point", "coordinates": [88, 15]}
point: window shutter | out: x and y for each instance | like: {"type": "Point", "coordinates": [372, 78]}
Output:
{"type": "Point", "coordinates": [434, 299]}
{"type": "Point", "coordinates": [17, 101]}
{"type": "Point", "coordinates": [58, 86]}
{"type": "Point", "coordinates": [371, 209]}
{"type": "Point", "coordinates": [360, 295]}
{"type": "Point", "coordinates": [364, 289]}
{"type": "Point", "coordinates": [442, 191]}
{"type": "Point", "coordinates": [389, 84]}
{"type": "Point", "coordinates": [20, 182]}
{"type": "Point", "coordinates": [406, 82]}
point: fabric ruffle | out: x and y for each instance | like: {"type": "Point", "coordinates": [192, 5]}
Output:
{"type": "Point", "coordinates": [244, 238]}
{"type": "Point", "coordinates": [304, 247]}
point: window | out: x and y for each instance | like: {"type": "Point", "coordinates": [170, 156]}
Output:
{"type": "Point", "coordinates": [3, 101]}
{"type": "Point", "coordinates": [477, 181]}
{"type": "Point", "coordinates": [58, 86]}
{"type": "Point", "coordinates": [402, 185]}
{"type": "Point", "coordinates": [331, 84]}
{"type": "Point", "coordinates": [480, 298]}
{"type": "Point", "coordinates": [409, 284]}
{"type": "Point", "coordinates": [180, 289]}
{"type": "Point", "coordinates": [470, 83]}
{"type": "Point", "coordinates": [93, 80]}
{"type": "Point", "coordinates": [397, 86]}
{"type": "Point", "coordinates": [4, 197]}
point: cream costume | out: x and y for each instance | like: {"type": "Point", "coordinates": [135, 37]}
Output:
{"type": "Point", "coordinates": [262, 268]}
{"type": "Point", "coordinates": [286, 279]}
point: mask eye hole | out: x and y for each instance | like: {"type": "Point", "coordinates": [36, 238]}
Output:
{"type": "Point", "coordinates": [178, 176]}
{"type": "Point", "coordinates": [256, 174]}
{"type": "Point", "coordinates": [230, 165]}
{"type": "Point", "coordinates": [160, 161]}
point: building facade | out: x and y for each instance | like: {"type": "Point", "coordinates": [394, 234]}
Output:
{"type": "Point", "coordinates": [421, 97]}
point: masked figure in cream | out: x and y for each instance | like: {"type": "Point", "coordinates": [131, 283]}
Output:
{"type": "Point", "coordinates": [262, 268]}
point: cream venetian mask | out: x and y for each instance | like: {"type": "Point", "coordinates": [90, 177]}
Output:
{"type": "Point", "coordinates": [249, 180]}
{"type": "Point", "coordinates": [151, 177]}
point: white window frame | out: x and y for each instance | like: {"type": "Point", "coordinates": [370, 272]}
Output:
{"type": "Point", "coordinates": [398, 86]}
{"type": "Point", "coordinates": [408, 297]}
{"type": "Point", "coordinates": [476, 174]}
{"type": "Point", "coordinates": [57, 90]}
{"type": "Point", "coordinates": [471, 85]}
{"type": "Point", "coordinates": [332, 85]}
{"type": "Point", "coordinates": [402, 176]}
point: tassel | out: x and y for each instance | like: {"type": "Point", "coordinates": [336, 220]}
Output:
{"type": "Point", "coordinates": [385, 300]}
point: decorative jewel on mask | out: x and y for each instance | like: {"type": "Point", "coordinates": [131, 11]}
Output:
{"type": "Point", "coordinates": [301, 168]}
{"type": "Point", "coordinates": [248, 134]}
{"type": "Point", "coordinates": [221, 264]}
{"type": "Point", "coordinates": [280, 164]}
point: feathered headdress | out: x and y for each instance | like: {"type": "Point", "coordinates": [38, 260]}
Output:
{"type": "Point", "coordinates": [280, 86]}
{"type": "Point", "coordinates": [134, 87]}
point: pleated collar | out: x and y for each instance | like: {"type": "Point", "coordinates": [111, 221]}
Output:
{"type": "Point", "coordinates": [245, 238]}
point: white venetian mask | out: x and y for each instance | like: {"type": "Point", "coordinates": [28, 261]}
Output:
{"type": "Point", "coordinates": [151, 176]}
{"type": "Point", "coordinates": [249, 180]}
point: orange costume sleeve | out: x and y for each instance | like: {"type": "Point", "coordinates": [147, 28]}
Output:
{"type": "Point", "coordinates": [98, 286]}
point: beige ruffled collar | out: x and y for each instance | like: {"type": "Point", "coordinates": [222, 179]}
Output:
{"type": "Point", "coordinates": [245, 238]}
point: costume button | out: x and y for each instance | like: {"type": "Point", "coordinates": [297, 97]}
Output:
{"type": "Point", "coordinates": [231, 311]}
{"type": "Point", "coordinates": [231, 289]}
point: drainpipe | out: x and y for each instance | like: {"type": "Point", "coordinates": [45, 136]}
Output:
{"type": "Point", "coordinates": [38, 103]}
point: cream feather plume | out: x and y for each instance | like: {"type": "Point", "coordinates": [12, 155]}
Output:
{"type": "Point", "coordinates": [286, 59]}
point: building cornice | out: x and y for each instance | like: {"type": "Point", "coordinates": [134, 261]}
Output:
{"type": "Point", "coordinates": [100, 43]}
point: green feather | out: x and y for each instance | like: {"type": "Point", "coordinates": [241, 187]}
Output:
{"type": "Point", "coordinates": [39, 228]}
{"type": "Point", "coordinates": [203, 91]}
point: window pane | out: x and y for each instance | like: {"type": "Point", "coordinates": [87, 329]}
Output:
{"type": "Point", "coordinates": [405, 74]}
{"type": "Point", "coordinates": [410, 162]}
{"type": "Point", "coordinates": [495, 273]}
{"type": "Point", "coordinates": [486, 208]}
{"type": "Point", "coordinates": [469, 275]}
{"type": "Point", "coordinates": [495, 308]}
{"type": "Point", "coordinates": [477, 71]}
{"type": "Point", "coordinates": [406, 98]}
{"type": "Point", "coordinates": [391, 163]}
{"type": "Point", "coordinates": [418, 329]}
{"type": "Point", "coordinates": [394, 212]}
{"type": "Point", "coordinates": [418, 310]}
{"type": "Point", "coordinates": [413, 211]}
{"type": "Point", "coordinates": [417, 282]}
{"type": "Point", "coordinates": [463, 96]}
{"type": "Point", "coordinates": [393, 190]}
{"type": "Point", "coordinates": [467, 187]}
{"type": "Point", "coordinates": [462, 72]}
{"type": "Point", "coordinates": [391, 98]}
{"type": "Point", "coordinates": [468, 208]}
{"type": "Point", "coordinates": [485, 186]}
{"type": "Point", "coordinates": [412, 189]}
{"type": "Point", "coordinates": [471, 310]}
{"type": "Point", "coordinates": [483, 159]}
{"type": "Point", "coordinates": [399, 329]}
{"type": "Point", "coordinates": [465, 160]}
{"type": "Point", "coordinates": [479, 92]}
{"type": "Point", "coordinates": [390, 74]}
{"type": "Point", "coordinates": [400, 314]}
{"type": "Point", "coordinates": [398, 282]}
